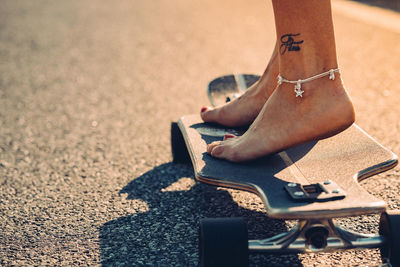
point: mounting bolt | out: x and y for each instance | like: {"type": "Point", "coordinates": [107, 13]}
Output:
{"type": "Point", "coordinates": [336, 191]}
{"type": "Point", "coordinates": [298, 194]}
{"type": "Point", "coordinates": [327, 182]}
{"type": "Point", "coordinates": [292, 185]}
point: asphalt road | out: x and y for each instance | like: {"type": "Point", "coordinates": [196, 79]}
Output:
{"type": "Point", "coordinates": [88, 90]}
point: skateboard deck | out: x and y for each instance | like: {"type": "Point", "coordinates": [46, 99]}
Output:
{"type": "Point", "coordinates": [333, 166]}
{"type": "Point", "coordinates": [226, 88]}
{"type": "Point", "coordinates": [313, 183]}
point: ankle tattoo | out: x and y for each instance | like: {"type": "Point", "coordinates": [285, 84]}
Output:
{"type": "Point", "coordinates": [289, 44]}
{"type": "Point", "coordinates": [297, 87]}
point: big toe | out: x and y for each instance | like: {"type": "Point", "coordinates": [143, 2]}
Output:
{"type": "Point", "coordinates": [211, 146]}
{"type": "Point", "coordinates": [217, 150]}
{"type": "Point", "coordinates": [221, 149]}
{"type": "Point", "coordinates": [209, 114]}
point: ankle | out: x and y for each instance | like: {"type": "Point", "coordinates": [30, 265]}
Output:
{"type": "Point", "coordinates": [327, 80]}
{"type": "Point", "coordinates": [306, 64]}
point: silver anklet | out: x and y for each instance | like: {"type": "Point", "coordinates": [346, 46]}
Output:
{"type": "Point", "coordinates": [297, 87]}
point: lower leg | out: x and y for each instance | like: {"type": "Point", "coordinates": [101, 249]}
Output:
{"type": "Point", "coordinates": [305, 36]}
{"type": "Point", "coordinates": [306, 47]}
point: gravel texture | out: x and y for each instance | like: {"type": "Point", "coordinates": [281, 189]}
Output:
{"type": "Point", "coordinates": [87, 93]}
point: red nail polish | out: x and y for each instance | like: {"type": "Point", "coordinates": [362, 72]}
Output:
{"type": "Point", "coordinates": [227, 136]}
{"type": "Point", "coordinates": [203, 109]}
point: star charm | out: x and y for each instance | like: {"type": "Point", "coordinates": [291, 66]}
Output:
{"type": "Point", "coordinates": [298, 91]}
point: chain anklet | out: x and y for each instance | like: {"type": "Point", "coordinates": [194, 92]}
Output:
{"type": "Point", "coordinates": [297, 87]}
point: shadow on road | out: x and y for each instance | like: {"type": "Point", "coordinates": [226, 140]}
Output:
{"type": "Point", "coordinates": [166, 233]}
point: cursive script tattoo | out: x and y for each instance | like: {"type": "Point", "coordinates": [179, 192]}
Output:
{"type": "Point", "coordinates": [289, 44]}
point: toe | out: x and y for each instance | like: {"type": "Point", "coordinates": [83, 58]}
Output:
{"type": "Point", "coordinates": [217, 151]}
{"type": "Point", "coordinates": [204, 109]}
{"type": "Point", "coordinates": [208, 114]}
{"type": "Point", "coordinates": [211, 146]}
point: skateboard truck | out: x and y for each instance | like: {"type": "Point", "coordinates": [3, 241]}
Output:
{"type": "Point", "coordinates": [325, 191]}
{"type": "Point", "coordinates": [316, 236]}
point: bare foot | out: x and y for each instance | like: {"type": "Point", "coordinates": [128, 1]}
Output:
{"type": "Point", "coordinates": [243, 110]}
{"type": "Point", "coordinates": [284, 121]}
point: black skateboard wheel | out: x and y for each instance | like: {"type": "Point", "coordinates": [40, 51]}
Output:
{"type": "Point", "coordinates": [223, 242]}
{"type": "Point", "coordinates": [389, 227]}
{"type": "Point", "coordinates": [179, 151]}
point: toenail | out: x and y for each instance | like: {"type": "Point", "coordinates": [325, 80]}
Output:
{"type": "Point", "coordinates": [203, 109]}
{"type": "Point", "coordinates": [227, 136]}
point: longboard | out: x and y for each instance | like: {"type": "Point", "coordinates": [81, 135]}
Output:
{"type": "Point", "coordinates": [313, 183]}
